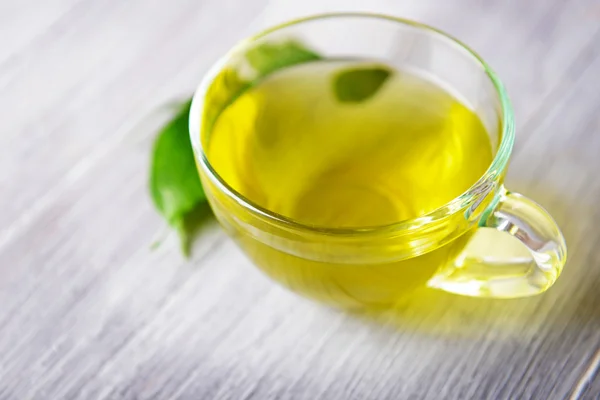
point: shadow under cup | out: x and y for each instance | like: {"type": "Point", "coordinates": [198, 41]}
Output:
{"type": "Point", "coordinates": [377, 266]}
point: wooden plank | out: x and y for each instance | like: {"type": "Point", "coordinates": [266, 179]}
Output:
{"type": "Point", "coordinates": [90, 312]}
{"type": "Point", "coordinates": [24, 24]}
{"type": "Point", "coordinates": [588, 386]}
{"type": "Point", "coordinates": [109, 69]}
{"type": "Point", "coordinates": [53, 262]}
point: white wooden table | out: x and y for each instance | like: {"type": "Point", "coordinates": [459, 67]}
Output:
{"type": "Point", "coordinates": [89, 311]}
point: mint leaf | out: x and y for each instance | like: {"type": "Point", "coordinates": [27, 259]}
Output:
{"type": "Point", "coordinates": [269, 57]}
{"type": "Point", "coordinates": [358, 84]}
{"type": "Point", "coordinates": [174, 183]}
{"type": "Point", "coordinates": [175, 187]}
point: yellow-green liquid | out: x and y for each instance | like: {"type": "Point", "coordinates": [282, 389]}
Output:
{"type": "Point", "coordinates": [291, 146]}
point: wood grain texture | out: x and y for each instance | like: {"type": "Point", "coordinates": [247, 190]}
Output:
{"type": "Point", "coordinates": [588, 386]}
{"type": "Point", "coordinates": [90, 312]}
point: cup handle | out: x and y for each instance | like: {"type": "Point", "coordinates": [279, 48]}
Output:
{"type": "Point", "coordinates": [481, 276]}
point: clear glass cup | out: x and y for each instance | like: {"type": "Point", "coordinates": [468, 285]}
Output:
{"type": "Point", "coordinates": [377, 266]}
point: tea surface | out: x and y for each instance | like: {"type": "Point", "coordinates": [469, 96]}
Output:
{"type": "Point", "coordinates": [292, 146]}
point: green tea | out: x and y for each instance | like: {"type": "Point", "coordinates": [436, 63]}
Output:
{"type": "Point", "coordinates": [292, 145]}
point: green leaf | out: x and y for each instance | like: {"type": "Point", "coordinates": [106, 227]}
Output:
{"type": "Point", "coordinates": [174, 183]}
{"type": "Point", "coordinates": [358, 84]}
{"type": "Point", "coordinates": [269, 57]}
{"type": "Point", "coordinates": [191, 225]}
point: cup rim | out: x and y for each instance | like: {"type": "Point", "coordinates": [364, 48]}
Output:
{"type": "Point", "coordinates": [482, 185]}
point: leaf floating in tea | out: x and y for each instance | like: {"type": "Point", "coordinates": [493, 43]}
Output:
{"type": "Point", "coordinates": [174, 183]}
{"type": "Point", "coordinates": [269, 57]}
{"type": "Point", "coordinates": [359, 84]}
